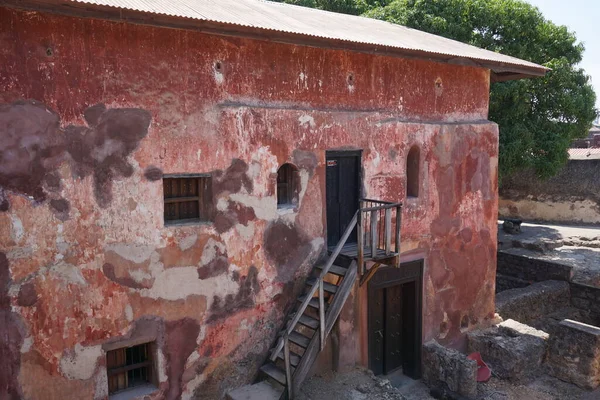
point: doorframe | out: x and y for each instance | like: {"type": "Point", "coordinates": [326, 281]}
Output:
{"type": "Point", "coordinates": [409, 271]}
{"type": "Point", "coordinates": [343, 153]}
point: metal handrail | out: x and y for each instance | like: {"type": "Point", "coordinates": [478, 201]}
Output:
{"type": "Point", "coordinates": [318, 285]}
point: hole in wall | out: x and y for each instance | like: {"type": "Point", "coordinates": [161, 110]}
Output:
{"type": "Point", "coordinates": [351, 79]}
{"type": "Point", "coordinates": [218, 66]}
{"type": "Point", "coordinates": [49, 52]}
{"type": "Point", "coordinates": [438, 83]}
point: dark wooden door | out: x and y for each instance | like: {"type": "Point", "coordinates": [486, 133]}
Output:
{"type": "Point", "coordinates": [342, 192]}
{"type": "Point", "coordinates": [393, 328]}
{"type": "Point", "coordinates": [394, 297]}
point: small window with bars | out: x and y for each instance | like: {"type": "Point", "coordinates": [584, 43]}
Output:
{"type": "Point", "coordinates": [287, 185]}
{"type": "Point", "coordinates": [187, 199]}
{"type": "Point", "coordinates": [129, 367]}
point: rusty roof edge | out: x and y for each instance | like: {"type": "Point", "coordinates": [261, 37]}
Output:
{"type": "Point", "coordinates": [81, 8]}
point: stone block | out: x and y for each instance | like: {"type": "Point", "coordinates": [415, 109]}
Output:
{"type": "Point", "coordinates": [446, 368]}
{"type": "Point", "coordinates": [512, 350]}
{"type": "Point", "coordinates": [574, 354]}
{"type": "Point", "coordinates": [534, 301]}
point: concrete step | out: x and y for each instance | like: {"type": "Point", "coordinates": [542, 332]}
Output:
{"type": "Point", "coordinates": [259, 391]}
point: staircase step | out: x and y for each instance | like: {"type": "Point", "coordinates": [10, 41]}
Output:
{"type": "Point", "coordinates": [299, 339]}
{"type": "Point", "coordinates": [309, 321]}
{"type": "Point", "coordinates": [294, 358]}
{"type": "Point", "coordinates": [314, 302]}
{"type": "Point", "coordinates": [273, 371]}
{"type": "Point", "coordinates": [335, 269]}
{"type": "Point", "coordinates": [327, 287]}
{"type": "Point", "coordinates": [263, 390]}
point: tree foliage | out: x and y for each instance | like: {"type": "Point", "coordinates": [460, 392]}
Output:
{"type": "Point", "coordinates": [539, 117]}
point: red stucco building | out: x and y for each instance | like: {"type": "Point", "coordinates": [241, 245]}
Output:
{"type": "Point", "coordinates": [171, 173]}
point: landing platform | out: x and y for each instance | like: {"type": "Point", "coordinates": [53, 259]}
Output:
{"type": "Point", "coordinates": [350, 250]}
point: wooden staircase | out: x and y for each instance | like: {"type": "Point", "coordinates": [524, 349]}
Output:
{"type": "Point", "coordinates": [317, 309]}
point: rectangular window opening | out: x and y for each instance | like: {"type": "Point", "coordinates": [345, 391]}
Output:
{"type": "Point", "coordinates": [130, 368]}
{"type": "Point", "coordinates": [187, 199]}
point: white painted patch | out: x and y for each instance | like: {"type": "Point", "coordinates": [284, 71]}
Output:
{"type": "Point", "coordinates": [190, 387]}
{"type": "Point", "coordinates": [246, 232]}
{"type": "Point", "coordinates": [188, 242]}
{"type": "Point", "coordinates": [210, 251]}
{"type": "Point", "coordinates": [307, 120]}
{"type": "Point", "coordinates": [222, 203]}
{"type": "Point", "coordinates": [68, 273]}
{"type": "Point", "coordinates": [303, 80]}
{"type": "Point", "coordinates": [136, 253]}
{"type": "Point", "coordinates": [376, 160]}
{"type": "Point", "coordinates": [161, 366]}
{"type": "Point", "coordinates": [81, 363]}
{"type": "Point", "coordinates": [27, 343]}
{"type": "Point", "coordinates": [219, 78]}
{"type": "Point", "coordinates": [17, 232]}
{"type": "Point", "coordinates": [101, 384]}
{"type": "Point", "coordinates": [181, 282]}
{"type": "Point", "coordinates": [264, 208]}
{"type": "Point", "coordinates": [198, 154]}
{"type": "Point", "coordinates": [128, 313]}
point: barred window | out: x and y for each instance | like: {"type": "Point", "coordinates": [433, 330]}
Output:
{"type": "Point", "coordinates": [187, 199]}
{"type": "Point", "coordinates": [129, 367]}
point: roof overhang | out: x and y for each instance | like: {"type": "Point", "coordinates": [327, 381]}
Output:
{"type": "Point", "coordinates": [499, 71]}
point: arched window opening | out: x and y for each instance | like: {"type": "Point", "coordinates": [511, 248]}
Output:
{"type": "Point", "coordinates": [288, 183]}
{"type": "Point", "coordinates": [412, 172]}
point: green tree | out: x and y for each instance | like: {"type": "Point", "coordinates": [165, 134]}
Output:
{"type": "Point", "coordinates": [539, 117]}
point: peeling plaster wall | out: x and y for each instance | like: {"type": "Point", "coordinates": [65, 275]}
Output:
{"type": "Point", "coordinates": [92, 113]}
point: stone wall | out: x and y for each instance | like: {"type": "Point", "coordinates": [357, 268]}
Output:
{"type": "Point", "coordinates": [445, 368]}
{"type": "Point", "coordinates": [586, 297]}
{"type": "Point", "coordinates": [574, 354]}
{"type": "Point", "coordinates": [571, 196]}
{"type": "Point", "coordinates": [516, 271]}
{"type": "Point", "coordinates": [534, 301]}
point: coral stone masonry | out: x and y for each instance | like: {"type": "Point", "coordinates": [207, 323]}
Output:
{"type": "Point", "coordinates": [143, 204]}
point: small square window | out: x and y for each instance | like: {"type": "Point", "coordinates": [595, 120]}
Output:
{"type": "Point", "coordinates": [187, 199]}
{"type": "Point", "coordinates": [129, 368]}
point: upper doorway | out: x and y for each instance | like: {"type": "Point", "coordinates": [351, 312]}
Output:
{"type": "Point", "coordinates": [343, 170]}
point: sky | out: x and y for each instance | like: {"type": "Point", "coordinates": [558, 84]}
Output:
{"type": "Point", "coordinates": [582, 17]}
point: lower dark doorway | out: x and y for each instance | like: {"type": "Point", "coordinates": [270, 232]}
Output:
{"type": "Point", "coordinates": [395, 319]}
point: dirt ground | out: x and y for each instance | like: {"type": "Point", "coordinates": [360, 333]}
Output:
{"type": "Point", "coordinates": [360, 384]}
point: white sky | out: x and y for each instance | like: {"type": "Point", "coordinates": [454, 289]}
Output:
{"type": "Point", "coordinates": [582, 17]}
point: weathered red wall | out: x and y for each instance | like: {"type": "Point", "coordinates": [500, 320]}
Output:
{"type": "Point", "coordinates": [85, 257]}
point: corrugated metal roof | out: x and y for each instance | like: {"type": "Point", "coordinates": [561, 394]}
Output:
{"type": "Point", "coordinates": [307, 22]}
